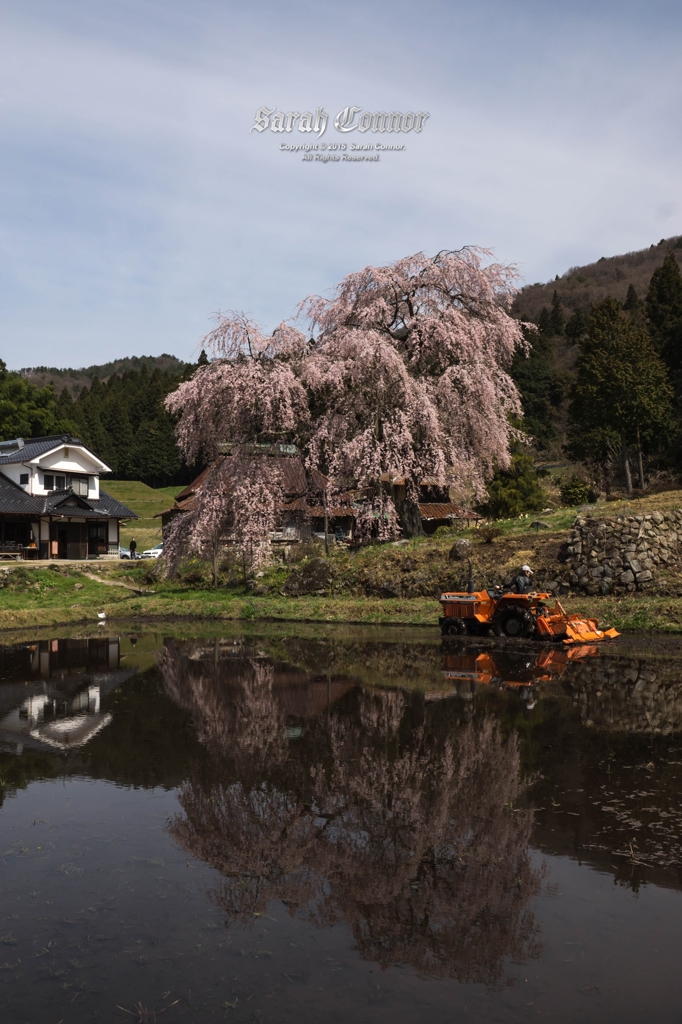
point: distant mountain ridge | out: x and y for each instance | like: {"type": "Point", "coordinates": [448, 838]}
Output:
{"type": "Point", "coordinates": [579, 287]}
{"type": "Point", "coordinates": [75, 379]}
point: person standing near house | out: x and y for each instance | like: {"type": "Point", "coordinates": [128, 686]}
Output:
{"type": "Point", "coordinates": [133, 547]}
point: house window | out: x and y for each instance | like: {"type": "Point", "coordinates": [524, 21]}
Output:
{"type": "Point", "coordinates": [23, 479]}
{"type": "Point", "coordinates": [80, 485]}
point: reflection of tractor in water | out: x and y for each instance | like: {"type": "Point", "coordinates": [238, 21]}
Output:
{"type": "Point", "coordinates": [521, 616]}
{"type": "Point", "coordinates": [517, 671]}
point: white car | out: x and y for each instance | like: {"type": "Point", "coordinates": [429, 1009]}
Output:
{"type": "Point", "coordinates": [154, 552]}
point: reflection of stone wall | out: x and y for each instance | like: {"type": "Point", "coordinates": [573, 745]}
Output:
{"type": "Point", "coordinates": [617, 556]}
{"type": "Point", "coordinates": [627, 694]}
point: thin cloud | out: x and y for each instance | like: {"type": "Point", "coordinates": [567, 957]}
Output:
{"type": "Point", "coordinates": [135, 201]}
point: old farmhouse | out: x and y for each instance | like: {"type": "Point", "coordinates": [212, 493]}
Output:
{"type": "Point", "coordinates": [51, 505]}
{"type": "Point", "coordinates": [301, 514]}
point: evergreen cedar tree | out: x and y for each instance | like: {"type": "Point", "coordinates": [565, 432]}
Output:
{"type": "Point", "coordinates": [633, 303]}
{"type": "Point", "coordinates": [664, 316]}
{"type": "Point", "coordinates": [622, 393]}
{"type": "Point", "coordinates": [542, 389]}
{"type": "Point", "coordinates": [403, 372]}
{"type": "Point", "coordinates": [515, 490]}
{"type": "Point", "coordinates": [556, 317]}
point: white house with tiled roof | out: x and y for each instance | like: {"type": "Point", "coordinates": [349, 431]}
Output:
{"type": "Point", "coordinates": [51, 505]}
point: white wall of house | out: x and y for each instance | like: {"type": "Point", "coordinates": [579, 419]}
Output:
{"type": "Point", "coordinates": [14, 472]}
{"type": "Point", "coordinates": [64, 461]}
{"type": "Point", "coordinates": [68, 460]}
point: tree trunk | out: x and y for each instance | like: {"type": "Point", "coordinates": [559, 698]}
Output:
{"type": "Point", "coordinates": [326, 524]}
{"type": "Point", "coordinates": [640, 464]}
{"type": "Point", "coordinates": [626, 464]}
{"type": "Point", "coordinates": [215, 561]}
{"type": "Point", "coordinates": [607, 479]}
{"type": "Point", "coordinates": [410, 520]}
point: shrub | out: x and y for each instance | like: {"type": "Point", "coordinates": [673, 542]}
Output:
{"type": "Point", "coordinates": [194, 572]}
{"type": "Point", "coordinates": [487, 534]}
{"type": "Point", "coordinates": [306, 549]}
{"type": "Point", "coordinates": [514, 490]}
{"type": "Point", "coordinates": [575, 491]}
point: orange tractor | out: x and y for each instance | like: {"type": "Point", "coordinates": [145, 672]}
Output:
{"type": "Point", "coordinates": [522, 616]}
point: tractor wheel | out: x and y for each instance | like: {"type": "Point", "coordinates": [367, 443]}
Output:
{"type": "Point", "coordinates": [455, 627]}
{"type": "Point", "coordinates": [514, 622]}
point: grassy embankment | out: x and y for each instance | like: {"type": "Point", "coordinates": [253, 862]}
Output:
{"type": "Point", "coordinates": [69, 595]}
{"type": "Point", "coordinates": [147, 502]}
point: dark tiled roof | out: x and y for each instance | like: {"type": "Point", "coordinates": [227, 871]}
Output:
{"type": "Point", "coordinates": [15, 501]}
{"type": "Point", "coordinates": [54, 499]}
{"type": "Point", "coordinates": [38, 446]}
{"type": "Point", "coordinates": [111, 507]}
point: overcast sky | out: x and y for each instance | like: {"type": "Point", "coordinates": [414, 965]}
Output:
{"type": "Point", "coordinates": [135, 201]}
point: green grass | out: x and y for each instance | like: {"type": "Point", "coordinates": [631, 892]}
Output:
{"type": "Point", "coordinates": [56, 600]}
{"type": "Point", "coordinates": [45, 597]}
{"type": "Point", "coordinates": [42, 597]}
{"type": "Point", "coordinates": [147, 502]}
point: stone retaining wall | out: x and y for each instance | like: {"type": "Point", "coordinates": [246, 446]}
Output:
{"type": "Point", "coordinates": [619, 556]}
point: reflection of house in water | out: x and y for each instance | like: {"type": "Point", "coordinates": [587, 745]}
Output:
{"type": "Point", "coordinates": [51, 691]}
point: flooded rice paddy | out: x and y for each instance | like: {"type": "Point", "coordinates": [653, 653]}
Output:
{"type": "Point", "coordinates": [324, 823]}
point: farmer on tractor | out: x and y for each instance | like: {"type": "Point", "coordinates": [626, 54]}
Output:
{"type": "Point", "coordinates": [521, 614]}
{"type": "Point", "coordinates": [522, 583]}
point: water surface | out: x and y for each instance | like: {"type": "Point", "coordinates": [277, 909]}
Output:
{"type": "Point", "coordinates": [304, 823]}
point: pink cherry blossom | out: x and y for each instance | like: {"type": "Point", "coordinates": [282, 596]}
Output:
{"type": "Point", "coordinates": [403, 373]}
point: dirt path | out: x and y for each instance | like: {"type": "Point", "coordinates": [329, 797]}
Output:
{"type": "Point", "coordinates": [117, 583]}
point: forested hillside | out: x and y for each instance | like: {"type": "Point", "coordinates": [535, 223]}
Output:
{"type": "Point", "coordinates": [74, 380]}
{"type": "Point", "coordinates": [123, 419]}
{"type": "Point", "coordinates": [603, 381]}
{"type": "Point", "coordinates": [580, 287]}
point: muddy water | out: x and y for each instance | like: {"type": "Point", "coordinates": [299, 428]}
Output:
{"type": "Point", "coordinates": [289, 824]}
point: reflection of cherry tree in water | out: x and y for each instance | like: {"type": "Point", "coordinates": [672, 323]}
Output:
{"type": "Point", "coordinates": [398, 822]}
{"type": "Point", "coordinates": [234, 712]}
